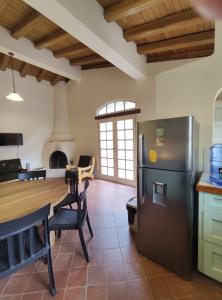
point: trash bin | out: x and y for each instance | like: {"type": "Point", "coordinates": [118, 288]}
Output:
{"type": "Point", "coordinates": [132, 213]}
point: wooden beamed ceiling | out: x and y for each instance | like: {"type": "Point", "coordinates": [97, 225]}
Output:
{"type": "Point", "coordinates": [27, 69]}
{"type": "Point", "coordinates": [162, 29]}
{"type": "Point", "coordinates": [23, 21]}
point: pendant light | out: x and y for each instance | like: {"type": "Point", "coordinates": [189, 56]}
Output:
{"type": "Point", "coordinates": [13, 96]}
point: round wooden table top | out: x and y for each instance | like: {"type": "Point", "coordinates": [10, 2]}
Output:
{"type": "Point", "coordinates": [21, 198]}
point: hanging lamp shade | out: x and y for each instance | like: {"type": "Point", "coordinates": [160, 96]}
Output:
{"type": "Point", "coordinates": [13, 96]}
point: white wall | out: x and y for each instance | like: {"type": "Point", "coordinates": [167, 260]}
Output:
{"type": "Point", "coordinates": [96, 88]}
{"type": "Point", "coordinates": [190, 90]}
{"type": "Point", "coordinates": [32, 117]}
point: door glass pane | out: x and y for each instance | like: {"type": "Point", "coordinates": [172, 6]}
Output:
{"type": "Point", "coordinates": [129, 155]}
{"type": "Point", "coordinates": [102, 135]}
{"type": "Point", "coordinates": [109, 126]}
{"type": "Point", "coordinates": [121, 154]}
{"type": "Point", "coordinates": [129, 124]}
{"type": "Point", "coordinates": [121, 164]}
{"type": "Point", "coordinates": [121, 144]}
{"type": "Point", "coordinates": [104, 170]}
{"type": "Point", "coordinates": [129, 134]}
{"type": "Point", "coordinates": [120, 125]}
{"type": "Point", "coordinates": [110, 163]}
{"type": "Point", "coordinates": [102, 126]}
{"type": "Point", "coordinates": [110, 153]}
{"type": "Point", "coordinates": [129, 165]}
{"type": "Point", "coordinates": [120, 134]}
{"type": "Point", "coordinates": [104, 162]}
{"type": "Point", "coordinates": [121, 173]}
{"type": "Point", "coordinates": [109, 135]}
{"type": "Point", "coordinates": [129, 145]}
{"type": "Point", "coordinates": [109, 144]}
{"type": "Point", "coordinates": [129, 175]}
{"type": "Point", "coordinates": [103, 144]}
{"type": "Point", "coordinates": [103, 153]}
{"type": "Point", "coordinates": [110, 171]}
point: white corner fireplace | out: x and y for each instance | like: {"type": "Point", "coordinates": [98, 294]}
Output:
{"type": "Point", "coordinates": [60, 148]}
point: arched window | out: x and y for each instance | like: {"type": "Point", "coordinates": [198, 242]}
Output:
{"type": "Point", "coordinates": [115, 106]}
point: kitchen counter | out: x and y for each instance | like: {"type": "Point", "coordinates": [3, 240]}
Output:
{"type": "Point", "coordinates": [204, 185]}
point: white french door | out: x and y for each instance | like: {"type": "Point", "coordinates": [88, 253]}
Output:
{"type": "Point", "coordinates": [117, 147]}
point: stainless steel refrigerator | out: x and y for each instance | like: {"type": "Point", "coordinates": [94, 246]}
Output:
{"type": "Point", "coordinates": [167, 171]}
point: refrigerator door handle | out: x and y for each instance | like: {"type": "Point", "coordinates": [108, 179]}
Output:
{"type": "Point", "coordinates": [141, 145]}
{"type": "Point", "coordinates": [141, 187]}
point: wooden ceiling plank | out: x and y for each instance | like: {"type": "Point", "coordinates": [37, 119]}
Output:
{"type": "Point", "coordinates": [41, 75]}
{"type": "Point", "coordinates": [54, 38]}
{"type": "Point", "coordinates": [86, 60]}
{"type": "Point", "coordinates": [4, 62]}
{"type": "Point", "coordinates": [167, 24]}
{"type": "Point", "coordinates": [185, 55]}
{"type": "Point", "coordinates": [3, 5]}
{"type": "Point", "coordinates": [56, 79]}
{"type": "Point", "coordinates": [75, 49]}
{"type": "Point", "coordinates": [191, 40]}
{"type": "Point", "coordinates": [126, 8]}
{"type": "Point", "coordinates": [24, 69]}
{"type": "Point", "coordinates": [26, 25]}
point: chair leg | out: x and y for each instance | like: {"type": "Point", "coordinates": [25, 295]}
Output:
{"type": "Point", "coordinates": [70, 205]}
{"type": "Point", "coordinates": [51, 276]}
{"type": "Point", "coordinates": [83, 244]}
{"type": "Point", "coordinates": [89, 225]}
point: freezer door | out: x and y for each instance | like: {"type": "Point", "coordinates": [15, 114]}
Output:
{"type": "Point", "coordinates": [167, 144]}
{"type": "Point", "coordinates": [165, 219]}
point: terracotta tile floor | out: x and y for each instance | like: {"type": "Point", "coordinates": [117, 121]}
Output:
{"type": "Point", "coordinates": [115, 272]}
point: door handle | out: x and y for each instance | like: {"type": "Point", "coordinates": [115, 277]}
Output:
{"type": "Point", "coordinates": [140, 150]}
{"type": "Point", "coordinates": [141, 187]}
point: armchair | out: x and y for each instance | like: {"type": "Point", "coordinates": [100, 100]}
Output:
{"type": "Point", "coordinates": [85, 167]}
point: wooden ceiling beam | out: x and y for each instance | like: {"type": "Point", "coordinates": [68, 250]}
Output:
{"type": "Point", "coordinates": [126, 8]}
{"type": "Point", "coordinates": [3, 5]}
{"type": "Point", "coordinates": [184, 55]}
{"type": "Point", "coordinates": [104, 64]}
{"type": "Point", "coordinates": [86, 60]}
{"type": "Point", "coordinates": [187, 41]}
{"type": "Point", "coordinates": [41, 75]}
{"type": "Point", "coordinates": [75, 49]}
{"type": "Point", "coordinates": [24, 69]}
{"type": "Point", "coordinates": [167, 24]}
{"type": "Point", "coordinates": [4, 62]}
{"type": "Point", "coordinates": [55, 80]}
{"type": "Point", "coordinates": [54, 38]}
{"type": "Point", "coordinates": [26, 25]}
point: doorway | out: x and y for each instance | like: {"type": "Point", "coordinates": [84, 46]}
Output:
{"type": "Point", "coordinates": [117, 143]}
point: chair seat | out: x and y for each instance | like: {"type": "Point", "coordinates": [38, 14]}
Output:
{"type": "Point", "coordinates": [64, 219]}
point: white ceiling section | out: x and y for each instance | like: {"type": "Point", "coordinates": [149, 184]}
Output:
{"type": "Point", "coordinates": [24, 50]}
{"type": "Point", "coordinates": [84, 20]}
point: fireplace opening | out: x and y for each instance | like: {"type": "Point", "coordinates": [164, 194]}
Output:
{"type": "Point", "coordinates": [58, 160]}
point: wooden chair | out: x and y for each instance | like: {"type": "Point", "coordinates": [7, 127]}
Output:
{"type": "Point", "coordinates": [71, 177]}
{"type": "Point", "coordinates": [21, 244]}
{"type": "Point", "coordinates": [86, 167]}
{"type": "Point", "coordinates": [67, 219]}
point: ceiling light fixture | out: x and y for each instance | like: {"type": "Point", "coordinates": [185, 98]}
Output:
{"type": "Point", "coordinates": [13, 96]}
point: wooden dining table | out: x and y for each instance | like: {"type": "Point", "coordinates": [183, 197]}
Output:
{"type": "Point", "coordinates": [21, 198]}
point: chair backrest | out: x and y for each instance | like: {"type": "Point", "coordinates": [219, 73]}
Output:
{"type": "Point", "coordinates": [82, 203]}
{"type": "Point", "coordinates": [71, 176]}
{"type": "Point", "coordinates": [84, 161]}
{"type": "Point", "coordinates": [18, 241]}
